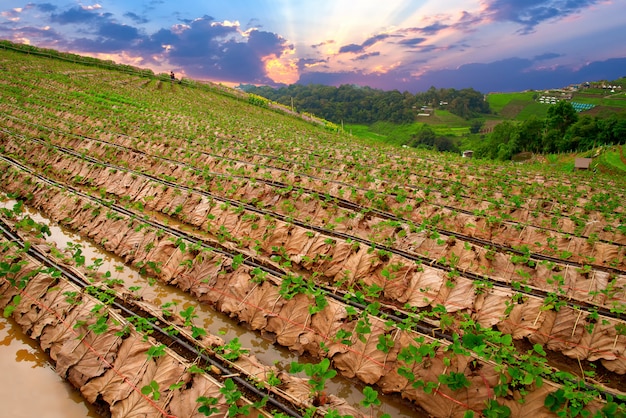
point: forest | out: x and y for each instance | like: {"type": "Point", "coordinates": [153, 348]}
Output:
{"type": "Point", "coordinates": [365, 105]}
{"type": "Point", "coordinates": [563, 130]}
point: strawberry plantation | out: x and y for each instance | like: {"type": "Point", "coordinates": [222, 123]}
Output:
{"type": "Point", "coordinates": [454, 287]}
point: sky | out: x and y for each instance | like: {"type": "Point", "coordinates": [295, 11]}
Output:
{"type": "Point", "coordinates": [408, 45]}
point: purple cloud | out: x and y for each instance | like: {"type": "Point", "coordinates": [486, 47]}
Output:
{"type": "Point", "coordinates": [31, 32]}
{"type": "Point", "coordinates": [363, 57]}
{"type": "Point", "coordinates": [136, 18]}
{"type": "Point", "coordinates": [43, 7]}
{"type": "Point", "coordinates": [123, 33]}
{"type": "Point", "coordinates": [351, 48]}
{"type": "Point", "coordinates": [530, 13]}
{"type": "Point", "coordinates": [411, 42]}
{"type": "Point", "coordinates": [329, 42]}
{"type": "Point", "coordinates": [75, 15]}
{"type": "Point", "coordinates": [304, 62]}
{"type": "Point", "coordinates": [546, 56]}
{"type": "Point", "coordinates": [432, 29]}
{"type": "Point", "coordinates": [354, 48]}
{"type": "Point", "coordinates": [208, 48]}
{"type": "Point", "coordinates": [512, 74]}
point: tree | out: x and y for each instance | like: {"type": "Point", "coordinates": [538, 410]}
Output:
{"type": "Point", "coordinates": [502, 143]}
{"type": "Point", "coordinates": [561, 116]}
{"type": "Point", "coordinates": [424, 137]}
{"type": "Point", "coordinates": [530, 134]}
{"type": "Point", "coordinates": [446, 144]}
{"type": "Point", "coordinates": [582, 135]}
{"type": "Point", "coordinates": [476, 125]}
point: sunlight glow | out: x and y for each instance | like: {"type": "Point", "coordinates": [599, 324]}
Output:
{"type": "Point", "coordinates": [282, 70]}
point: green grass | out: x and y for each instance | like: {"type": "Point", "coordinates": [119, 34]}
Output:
{"type": "Point", "coordinates": [363, 131]}
{"type": "Point", "coordinates": [539, 110]}
{"type": "Point", "coordinates": [612, 100]}
{"type": "Point", "coordinates": [610, 159]}
{"type": "Point", "coordinates": [443, 123]}
{"type": "Point", "coordinates": [444, 117]}
{"type": "Point", "coordinates": [561, 162]}
{"type": "Point", "coordinates": [497, 101]}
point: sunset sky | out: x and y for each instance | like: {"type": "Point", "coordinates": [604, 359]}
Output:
{"type": "Point", "coordinates": [490, 45]}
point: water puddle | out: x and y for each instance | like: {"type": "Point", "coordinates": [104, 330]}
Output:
{"type": "Point", "coordinates": [30, 387]}
{"type": "Point", "coordinates": [160, 294]}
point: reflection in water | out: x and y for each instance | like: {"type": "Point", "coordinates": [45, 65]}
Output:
{"type": "Point", "coordinates": [214, 322]}
{"type": "Point", "coordinates": [26, 370]}
{"type": "Point", "coordinates": [35, 356]}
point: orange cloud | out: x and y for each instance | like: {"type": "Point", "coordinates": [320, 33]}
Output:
{"type": "Point", "coordinates": [281, 70]}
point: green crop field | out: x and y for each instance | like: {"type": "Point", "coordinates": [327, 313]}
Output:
{"type": "Point", "coordinates": [497, 101]}
{"type": "Point", "coordinates": [357, 278]}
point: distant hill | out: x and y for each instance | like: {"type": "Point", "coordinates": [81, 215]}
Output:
{"type": "Point", "coordinates": [364, 105]}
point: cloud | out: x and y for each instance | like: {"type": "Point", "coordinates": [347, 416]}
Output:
{"type": "Point", "coordinates": [31, 32]}
{"type": "Point", "coordinates": [209, 49]}
{"type": "Point", "coordinates": [329, 42]}
{"type": "Point", "coordinates": [98, 45]}
{"type": "Point", "coordinates": [363, 57]}
{"type": "Point", "coordinates": [351, 48]}
{"type": "Point", "coordinates": [75, 15]}
{"type": "Point", "coordinates": [511, 74]}
{"type": "Point", "coordinates": [136, 18]}
{"type": "Point", "coordinates": [11, 15]}
{"type": "Point", "coordinates": [266, 43]}
{"type": "Point", "coordinates": [411, 42]}
{"type": "Point", "coordinates": [546, 56]}
{"type": "Point", "coordinates": [530, 13]}
{"type": "Point", "coordinates": [204, 47]}
{"type": "Point", "coordinates": [254, 23]}
{"type": "Point", "coordinates": [305, 63]}
{"type": "Point", "coordinates": [374, 39]}
{"type": "Point", "coordinates": [433, 29]}
{"type": "Point", "coordinates": [116, 31]}
{"type": "Point", "coordinates": [354, 48]}
{"type": "Point", "coordinates": [42, 7]}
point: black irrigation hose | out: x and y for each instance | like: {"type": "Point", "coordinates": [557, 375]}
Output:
{"type": "Point", "coordinates": [76, 279]}
{"type": "Point", "coordinates": [229, 253]}
{"type": "Point", "coordinates": [429, 329]}
{"type": "Point", "coordinates": [343, 203]}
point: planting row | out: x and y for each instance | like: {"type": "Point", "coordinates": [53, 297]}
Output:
{"type": "Point", "coordinates": [236, 289]}
{"type": "Point", "coordinates": [499, 213]}
{"type": "Point", "coordinates": [228, 223]}
{"type": "Point", "coordinates": [90, 306]}
{"type": "Point", "coordinates": [171, 135]}
{"type": "Point", "coordinates": [602, 246]}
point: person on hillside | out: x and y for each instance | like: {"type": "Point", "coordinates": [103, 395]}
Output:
{"type": "Point", "coordinates": [172, 76]}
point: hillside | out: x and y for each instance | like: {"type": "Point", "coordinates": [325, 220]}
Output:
{"type": "Point", "coordinates": [369, 279]}
{"type": "Point", "coordinates": [602, 98]}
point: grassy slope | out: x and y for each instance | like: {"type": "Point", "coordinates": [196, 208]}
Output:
{"type": "Point", "coordinates": [613, 160]}
{"type": "Point", "coordinates": [442, 122]}
{"type": "Point", "coordinates": [521, 105]}
{"type": "Point", "coordinates": [518, 106]}
{"type": "Point", "coordinates": [605, 159]}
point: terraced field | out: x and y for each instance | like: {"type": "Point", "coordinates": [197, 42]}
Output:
{"type": "Point", "coordinates": [467, 288]}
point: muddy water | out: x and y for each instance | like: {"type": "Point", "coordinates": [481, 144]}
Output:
{"type": "Point", "coordinates": [29, 386]}
{"type": "Point", "coordinates": [214, 322]}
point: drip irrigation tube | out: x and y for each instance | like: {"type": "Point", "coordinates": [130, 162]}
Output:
{"type": "Point", "coordinates": [428, 330]}
{"type": "Point", "coordinates": [229, 253]}
{"type": "Point", "coordinates": [76, 279]}
{"type": "Point", "coordinates": [473, 276]}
